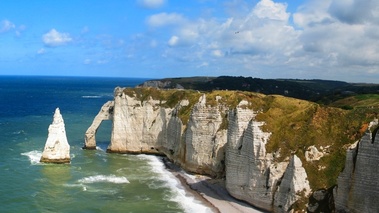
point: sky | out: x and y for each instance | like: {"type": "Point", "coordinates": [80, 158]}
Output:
{"type": "Point", "coordinates": [303, 39]}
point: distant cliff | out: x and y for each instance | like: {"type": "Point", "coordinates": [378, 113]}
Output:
{"type": "Point", "coordinates": [273, 151]}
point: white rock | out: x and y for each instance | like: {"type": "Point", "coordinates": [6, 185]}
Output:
{"type": "Point", "coordinates": [294, 185]}
{"type": "Point", "coordinates": [57, 149]}
{"type": "Point", "coordinates": [313, 154]}
{"type": "Point", "coordinates": [106, 113]}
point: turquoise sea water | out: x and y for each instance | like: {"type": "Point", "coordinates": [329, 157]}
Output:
{"type": "Point", "coordinates": [95, 181]}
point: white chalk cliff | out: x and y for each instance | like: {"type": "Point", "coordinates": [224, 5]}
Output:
{"type": "Point", "coordinates": [106, 113]}
{"type": "Point", "coordinates": [57, 149]}
{"type": "Point", "coordinates": [216, 140]}
{"type": "Point", "coordinates": [358, 184]}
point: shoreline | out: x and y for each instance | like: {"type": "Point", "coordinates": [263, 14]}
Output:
{"type": "Point", "coordinates": [211, 192]}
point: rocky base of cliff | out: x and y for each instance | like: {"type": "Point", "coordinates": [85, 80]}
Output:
{"type": "Point", "coordinates": [89, 147]}
{"type": "Point", "coordinates": [321, 201]}
{"type": "Point", "coordinates": [56, 161]}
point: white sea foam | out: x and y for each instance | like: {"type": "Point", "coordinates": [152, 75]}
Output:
{"type": "Point", "coordinates": [104, 178]}
{"type": "Point", "coordinates": [92, 96]}
{"type": "Point", "coordinates": [88, 188]}
{"type": "Point", "coordinates": [99, 148]}
{"type": "Point", "coordinates": [179, 195]}
{"type": "Point", "coordinates": [34, 156]}
{"type": "Point", "coordinates": [18, 132]}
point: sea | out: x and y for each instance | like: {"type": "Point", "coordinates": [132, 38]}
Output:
{"type": "Point", "coordinates": [94, 181]}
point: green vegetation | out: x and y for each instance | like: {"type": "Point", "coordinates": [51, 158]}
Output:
{"type": "Point", "coordinates": [321, 91]}
{"type": "Point", "coordinates": [295, 124]}
{"type": "Point", "coordinates": [362, 100]}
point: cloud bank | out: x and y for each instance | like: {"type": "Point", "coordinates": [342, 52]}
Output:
{"type": "Point", "coordinates": [328, 39]}
{"type": "Point", "coordinates": [322, 39]}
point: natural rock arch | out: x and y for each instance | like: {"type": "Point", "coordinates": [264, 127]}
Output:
{"type": "Point", "coordinates": [106, 113]}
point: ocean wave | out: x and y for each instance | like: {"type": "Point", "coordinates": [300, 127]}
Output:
{"type": "Point", "coordinates": [104, 178]}
{"type": "Point", "coordinates": [34, 156]}
{"type": "Point", "coordinates": [178, 193]}
{"type": "Point", "coordinates": [18, 132]}
{"type": "Point", "coordinates": [92, 96]}
{"type": "Point", "coordinates": [99, 148]}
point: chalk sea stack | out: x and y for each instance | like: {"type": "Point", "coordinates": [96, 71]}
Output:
{"type": "Point", "coordinates": [57, 149]}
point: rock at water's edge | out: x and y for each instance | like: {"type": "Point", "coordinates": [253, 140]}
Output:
{"type": "Point", "coordinates": [57, 149]}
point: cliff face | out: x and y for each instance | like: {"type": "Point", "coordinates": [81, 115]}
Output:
{"type": "Point", "coordinates": [266, 147]}
{"type": "Point", "coordinates": [137, 126]}
{"type": "Point", "coordinates": [217, 140]}
{"type": "Point", "coordinates": [358, 184]}
{"type": "Point", "coordinates": [147, 127]}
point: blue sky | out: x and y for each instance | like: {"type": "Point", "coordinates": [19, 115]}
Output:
{"type": "Point", "coordinates": [307, 39]}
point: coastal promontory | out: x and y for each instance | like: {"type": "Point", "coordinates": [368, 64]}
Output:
{"type": "Point", "coordinates": [274, 152]}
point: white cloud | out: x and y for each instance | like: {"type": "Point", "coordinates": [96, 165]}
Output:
{"type": "Point", "coordinates": [174, 40]}
{"type": "Point", "coordinates": [87, 61]}
{"type": "Point", "coordinates": [340, 35]}
{"type": "Point", "coordinates": [330, 39]}
{"type": "Point", "coordinates": [151, 4]}
{"type": "Point", "coordinates": [19, 30]}
{"type": "Point", "coordinates": [204, 64]}
{"type": "Point", "coordinates": [264, 30]}
{"type": "Point", "coordinates": [6, 26]}
{"type": "Point", "coordinates": [164, 19]}
{"type": "Point", "coordinates": [102, 61]}
{"type": "Point", "coordinates": [313, 13]}
{"type": "Point", "coordinates": [41, 51]}
{"type": "Point", "coordinates": [85, 29]}
{"type": "Point", "coordinates": [217, 53]}
{"type": "Point", "coordinates": [271, 10]}
{"type": "Point", "coordinates": [354, 11]}
{"type": "Point", "coordinates": [55, 38]}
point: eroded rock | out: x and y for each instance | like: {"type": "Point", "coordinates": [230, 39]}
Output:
{"type": "Point", "coordinates": [57, 149]}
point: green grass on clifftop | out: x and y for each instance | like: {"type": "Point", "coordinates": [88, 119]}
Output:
{"type": "Point", "coordinates": [295, 124]}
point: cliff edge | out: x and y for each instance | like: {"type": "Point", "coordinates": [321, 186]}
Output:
{"type": "Point", "coordinates": [273, 151]}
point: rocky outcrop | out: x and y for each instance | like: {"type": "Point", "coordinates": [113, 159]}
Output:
{"type": "Point", "coordinates": [204, 140]}
{"type": "Point", "coordinates": [252, 174]}
{"type": "Point", "coordinates": [105, 113]}
{"type": "Point", "coordinates": [57, 149]}
{"type": "Point", "coordinates": [358, 186]}
{"type": "Point", "coordinates": [294, 186]}
{"type": "Point", "coordinates": [312, 154]}
{"type": "Point", "coordinates": [247, 165]}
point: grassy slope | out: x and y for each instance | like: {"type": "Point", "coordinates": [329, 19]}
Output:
{"type": "Point", "coordinates": [295, 124]}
